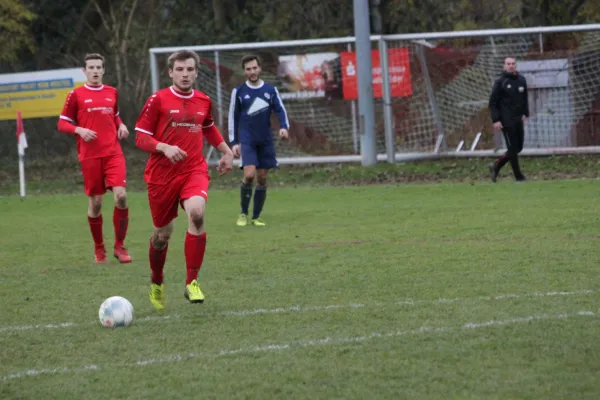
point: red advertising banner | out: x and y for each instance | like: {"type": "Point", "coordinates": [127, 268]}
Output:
{"type": "Point", "coordinates": [398, 67]}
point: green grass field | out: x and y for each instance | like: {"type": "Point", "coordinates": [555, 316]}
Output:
{"type": "Point", "coordinates": [437, 291]}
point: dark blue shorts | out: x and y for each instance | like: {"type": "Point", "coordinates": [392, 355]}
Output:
{"type": "Point", "coordinates": [261, 155]}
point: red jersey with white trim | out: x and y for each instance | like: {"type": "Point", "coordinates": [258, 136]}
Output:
{"type": "Point", "coordinates": [176, 119]}
{"type": "Point", "coordinates": [94, 108]}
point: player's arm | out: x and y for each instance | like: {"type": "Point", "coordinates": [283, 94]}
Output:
{"type": "Point", "coordinates": [146, 126]}
{"type": "Point", "coordinates": [215, 139]}
{"type": "Point", "coordinates": [494, 104]}
{"type": "Point", "coordinates": [118, 121]}
{"type": "Point", "coordinates": [66, 121]}
{"type": "Point", "coordinates": [148, 143]}
{"type": "Point", "coordinates": [235, 109]}
{"type": "Point", "coordinates": [279, 108]}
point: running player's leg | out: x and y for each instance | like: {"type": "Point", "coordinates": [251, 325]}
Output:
{"type": "Point", "coordinates": [94, 185]}
{"type": "Point", "coordinates": [116, 172]}
{"type": "Point", "coordinates": [514, 145]}
{"type": "Point", "coordinates": [194, 195]}
{"type": "Point", "coordinates": [164, 201]}
{"type": "Point", "coordinates": [519, 142]}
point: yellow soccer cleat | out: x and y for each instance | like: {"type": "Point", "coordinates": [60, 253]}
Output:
{"type": "Point", "coordinates": [242, 220]}
{"type": "Point", "coordinates": [157, 296]}
{"type": "Point", "coordinates": [258, 222]}
{"type": "Point", "coordinates": [193, 292]}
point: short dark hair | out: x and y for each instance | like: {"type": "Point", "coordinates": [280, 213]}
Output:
{"type": "Point", "coordinates": [250, 57]}
{"type": "Point", "coordinates": [183, 55]}
{"type": "Point", "coordinates": [92, 56]}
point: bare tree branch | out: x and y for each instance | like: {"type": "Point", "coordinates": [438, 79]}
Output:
{"type": "Point", "coordinates": [574, 9]}
{"type": "Point", "coordinates": [101, 14]}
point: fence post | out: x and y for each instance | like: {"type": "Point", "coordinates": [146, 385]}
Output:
{"type": "Point", "coordinates": [366, 106]}
{"type": "Point", "coordinates": [353, 114]}
{"type": "Point", "coordinates": [154, 72]}
{"type": "Point", "coordinates": [390, 142]}
{"type": "Point", "coordinates": [442, 141]}
{"type": "Point", "coordinates": [219, 91]}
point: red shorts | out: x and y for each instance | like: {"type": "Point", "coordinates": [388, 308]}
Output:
{"type": "Point", "coordinates": [165, 199]}
{"type": "Point", "coordinates": [100, 174]}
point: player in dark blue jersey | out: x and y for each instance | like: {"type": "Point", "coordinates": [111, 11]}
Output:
{"type": "Point", "coordinates": [251, 137]}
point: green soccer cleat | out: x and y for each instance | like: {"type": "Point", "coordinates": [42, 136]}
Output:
{"type": "Point", "coordinates": [157, 296]}
{"type": "Point", "coordinates": [193, 292]}
{"type": "Point", "coordinates": [258, 222]}
{"type": "Point", "coordinates": [242, 220]}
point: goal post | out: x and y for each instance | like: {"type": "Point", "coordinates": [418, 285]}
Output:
{"type": "Point", "coordinates": [430, 90]}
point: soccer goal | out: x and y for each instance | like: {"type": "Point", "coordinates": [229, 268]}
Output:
{"type": "Point", "coordinates": [438, 89]}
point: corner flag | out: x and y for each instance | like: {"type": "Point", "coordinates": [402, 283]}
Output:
{"type": "Point", "coordinates": [21, 138]}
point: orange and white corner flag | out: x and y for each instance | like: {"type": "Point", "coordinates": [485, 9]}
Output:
{"type": "Point", "coordinates": [21, 138]}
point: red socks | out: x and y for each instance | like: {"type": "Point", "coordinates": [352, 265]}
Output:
{"type": "Point", "coordinates": [194, 248]}
{"type": "Point", "coordinates": [120, 222]}
{"type": "Point", "coordinates": [157, 263]}
{"type": "Point", "coordinates": [96, 229]}
{"type": "Point", "coordinates": [195, 245]}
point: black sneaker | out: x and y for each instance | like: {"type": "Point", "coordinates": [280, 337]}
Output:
{"type": "Point", "coordinates": [493, 172]}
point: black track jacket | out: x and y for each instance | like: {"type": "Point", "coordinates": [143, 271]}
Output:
{"type": "Point", "coordinates": [508, 101]}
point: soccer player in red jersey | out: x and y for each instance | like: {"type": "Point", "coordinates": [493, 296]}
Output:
{"type": "Point", "coordinates": [91, 114]}
{"type": "Point", "coordinates": [171, 127]}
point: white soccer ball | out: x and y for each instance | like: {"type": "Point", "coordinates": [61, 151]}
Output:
{"type": "Point", "coordinates": [115, 312]}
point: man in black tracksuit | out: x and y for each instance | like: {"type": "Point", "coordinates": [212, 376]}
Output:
{"type": "Point", "coordinates": [509, 108]}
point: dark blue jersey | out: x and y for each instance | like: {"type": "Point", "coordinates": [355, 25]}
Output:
{"type": "Point", "coordinates": [250, 113]}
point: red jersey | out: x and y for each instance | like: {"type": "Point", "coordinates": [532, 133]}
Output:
{"type": "Point", "coordinates": [94, 108]}
{"type": "Point", "coordinates": [176, 119]}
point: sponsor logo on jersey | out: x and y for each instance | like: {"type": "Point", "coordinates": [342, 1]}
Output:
{"type": "Point", "coordinates": [105, 110]}
{"type": "Point", "coordinates": [174, 111]}
{"type": "Point", "coordinates": [190, 126]}
{"type": "Point", "coordinates": [258, 105]}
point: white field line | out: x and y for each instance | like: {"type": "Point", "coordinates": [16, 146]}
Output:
{"type": "Point", "coordinates": [300, 309]}
{"type": "Point", "coordinates": [175, 358]}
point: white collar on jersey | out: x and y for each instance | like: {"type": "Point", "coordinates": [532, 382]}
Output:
{"type": "Point", "coordinates": [93, 87]}
{"type": "Point", "coordinates": [180, 95]}
{"type": "Point", "coordinates": [261, 84]}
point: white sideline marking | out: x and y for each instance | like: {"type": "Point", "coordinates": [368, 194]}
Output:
{"type": "Point", "coordinates": [30, 327]}
{"type": "Point", "coordinates": [293, 345]}
{"type": "Point", "coordinates": [284, 310]}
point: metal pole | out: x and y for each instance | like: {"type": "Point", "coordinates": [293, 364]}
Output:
{"type": "Point", "coordinates": [154, 73]}
{"type": "Point", "coordinates": [21, 173]}
{"type": "Point", "coordinates": [219, 91]}
{"type": "Point", "coordinates": [353, 113]}
{"type": "Point", "coordinates": [441, 143]}
{"type": "Point", "coordinates": [366, 104]}
{"type": "Point", "coordinates": [211, 150]}
{"type": "Point", "coordinates": [390, 144]}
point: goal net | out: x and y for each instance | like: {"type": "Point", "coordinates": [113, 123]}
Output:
{"type": "Point", "coordinates": [437, 87]}
{"type": "Point", "coordinates": [563, 75]}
